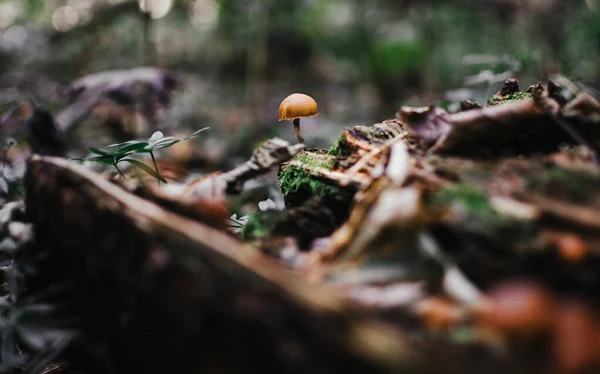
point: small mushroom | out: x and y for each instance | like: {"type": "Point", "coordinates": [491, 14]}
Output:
{"type": "Point", "coordinates": [298, 106]}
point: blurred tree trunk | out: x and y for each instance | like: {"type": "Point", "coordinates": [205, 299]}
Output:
{"type": "Point", "coordinates": [257, 57]}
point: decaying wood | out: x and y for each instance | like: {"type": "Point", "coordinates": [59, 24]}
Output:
{"type": "Point", "coordinates": [350, 163]}
{"type": "Point", "coordinates": [216, 185]}
{"type": "Point", "coordinates": [192, 293]}
{"type": "Point", "coordinates": [524, 124]}
{"type": "Point", "coordinates": [359, 140]}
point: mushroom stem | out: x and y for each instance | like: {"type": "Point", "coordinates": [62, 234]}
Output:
{"type": "Point", "coordinates": [298, 132]}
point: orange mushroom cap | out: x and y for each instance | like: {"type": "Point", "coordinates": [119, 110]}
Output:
{"type": "Point", "coordinates": [297, 106]}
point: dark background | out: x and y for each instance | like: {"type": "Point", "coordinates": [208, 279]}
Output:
{"type": "Point", "coordinates": [360, 59]}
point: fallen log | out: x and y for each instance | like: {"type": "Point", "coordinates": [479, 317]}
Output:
{"type": "Point", "coordinates": [190, 298]}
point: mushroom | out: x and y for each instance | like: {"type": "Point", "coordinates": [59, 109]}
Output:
{"type": "Point", "coordinates": [298, 106]}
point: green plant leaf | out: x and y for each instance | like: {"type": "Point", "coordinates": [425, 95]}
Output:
{"type": "Point", "coordinates": [145, 168]}
{"type": "Point", "coordinates": [119, 157]}
{"type": "Point", "coordinates": [136, 147]}
{"type": "Point", "coordinates": [123, 144]}
{"type": "Point", "coordinates": [170, 140]}
{"type": "Point", "coordinates": [99, 152]}
{"type": "Point", "coordinates": [165, 144]}
{"type": "Point", "coordinates": [164, 140]}
{"type": "Point", "coordinates": [95, 158]}
{"type": "Point", "coordinates": [195, 133]}
{"type": "Point", "coordinates": [107, 160]}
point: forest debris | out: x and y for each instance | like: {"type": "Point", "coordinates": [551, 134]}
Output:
{"type": "Point", "coordinates": [459, 287]}
{"type": "Point", "coordinates": [489, 126]}
{"type": "Point", "coordinates": [342, 237]}
{"type": "Point", "coordinates": [571, 247]}
{"type": "Point", "coordinates": [381, 242]}
{"type": "Point", "coordinates": [430, 124]}
{"type": "Point", "coordinates": [269, 155]}
{"type": "Point", "coordinates": [306, 222]}
{"type": "Point", "coordinates": [576, 345]}
{"type": "Point", "coordinates": [118, 85]}
{"type": "Point", "coordinates": [468, 105]}
{"type": "Point", "coordinates": [439, 313]}
{"type": "Point", "coordinates": [514, 121]}
{"type": "Point", "coordinates": [514, 209]}
{"type": "Point", "coordinates": [510, 87]}
{"type": "Point", "coordinates": [584, 106]}
{"type": "Point", "coordinates": [359, 140]}
{"type": "Point", "coordinates": [315, 174]}
{"type": "Point", "coordinates": [398, 166]}
{"type": "Point", "coordinates": [569, 213]}
{"type": "Point", "coordinates": [393, 295]}
{"type": "Point", "coordinates": [518, 308]}
{"type": "Point", "coordinates": [375, 204]}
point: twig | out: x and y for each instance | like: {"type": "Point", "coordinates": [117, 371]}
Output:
{"type": "Point", "coordinates": [271, 153]}
{"type": "Point", "coordinates": [368, 157]}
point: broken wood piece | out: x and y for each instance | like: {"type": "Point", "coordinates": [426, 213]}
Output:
{"type": "Point", "coordinates": [523, 122]}
{"type": "Point", "coordinates": [359, 140]}
{"type": "Point", "coordinates": [269, 155]}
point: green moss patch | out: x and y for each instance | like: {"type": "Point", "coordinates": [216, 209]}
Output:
{"type": "Point", "coordinates": [294, 179]}
{"type": "Point", "coordinates": [296, 176]}
{"type": "Point", "coordinates": [340, 147]}
{"type": "Point", "coordinates": [259, 225]}
{"type": "Point", "coordinates": [509, 98]}
{"type": "Point", "coordinates": [314, 160]}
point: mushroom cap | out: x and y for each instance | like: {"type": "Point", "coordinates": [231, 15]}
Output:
{"type": "Point", "coordinates": [297, 106]}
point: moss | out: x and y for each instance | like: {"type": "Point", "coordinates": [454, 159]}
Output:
{"type": "Point", "coordinates": [509, 98]}
{"type": "Point", "coordinates": [293, 179]}
{"type": "Point", "coordinates": [312, 160]}
{"type": "Point", "coordinates": [340, 147]}
{"type": "Point", "coordinates": [259, 225]}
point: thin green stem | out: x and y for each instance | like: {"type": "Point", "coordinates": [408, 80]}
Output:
{"type": "Point", "coordinates": [155, 167]}
{"type": "Point", "coordinates": [119, 170]}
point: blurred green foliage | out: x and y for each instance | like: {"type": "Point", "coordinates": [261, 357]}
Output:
{"type": "Point", "coordinates": [360, 59]}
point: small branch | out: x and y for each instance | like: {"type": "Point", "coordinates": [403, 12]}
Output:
{"type": "Point", "coordinates": [269, 155]}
